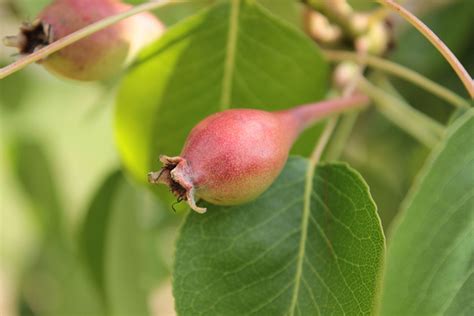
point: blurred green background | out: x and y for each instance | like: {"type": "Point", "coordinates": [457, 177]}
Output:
{"type": "Point", "coordinates": [57, 150]}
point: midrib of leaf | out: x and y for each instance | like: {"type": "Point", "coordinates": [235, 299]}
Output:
{"type": "Point", "coordinates": [304, 232]}
{"type": "Point", "coordinates": [230, 55]}
{"type": "Point", "coordinates": [315, 158]}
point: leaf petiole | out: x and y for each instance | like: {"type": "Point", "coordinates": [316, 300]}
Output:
{"type": "Point", "coordinates": [415, 123]}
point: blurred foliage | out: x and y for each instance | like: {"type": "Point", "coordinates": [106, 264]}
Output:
{"type": "Point", "coordinates": [436, 276]}
{"type": "Point", "coordinates": [10, 98]}
{"type": "Point", "coordinates": [57, 140]}
{"type": "Point", "coordinates": [453, 24]}
{"type": "Point", "coordinates": [31, 166]}
{"type": "Point", "coordinates": [27, 9]}
{"type": "Point", "coordinates": [119, 244]}
{"type": "Point", "coordinates": [53, 282]}
{"type": "Point", "coordinates": [121, 250]}
{"type": "Point", "coordinates": [387, 157]}
{"type": "Point", "coordinates": [362, 4]}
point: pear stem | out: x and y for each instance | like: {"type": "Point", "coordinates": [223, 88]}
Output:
{"type": "Point", "coordinates": [308, 114]}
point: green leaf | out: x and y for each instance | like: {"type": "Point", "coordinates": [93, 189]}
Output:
{"type": "Point", "coordinates": [114, 246]}
{"type": "Point", "coordinates": [287, 10]}
{"type": "Point", "coordinates": [286, 253]}
{"type": "Point", "coordinates": [56, 283]}
{"type": "Point", "coordinates": [32, 168]}
{"type": "Point", "coordinates": [430, 257]}
{"type": "Point", "coordinates": [10, 99]}
{"type": "Point", "coordinates": [232, 55]}
{"type": "Point", "coordinates": [93, 237]}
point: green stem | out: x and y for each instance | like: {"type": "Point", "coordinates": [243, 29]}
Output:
{"type": "Point", "coordinates": [403, 115]}
{"type": "Point", "coordinates": [400, 71]}
{"type": "Point", "coordinates": [323, 141]}
{"type": "Point", "coordinates": [345, 124]}
{"type": "Point", "coordinates": [437, 43]}
{"type": "Point", "coordinates": [340, 136]}
{"type": "Point", "coordinates": [80, 34]}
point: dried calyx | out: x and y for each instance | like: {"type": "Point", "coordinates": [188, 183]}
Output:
{"type": "Point", "coordinates": [32, 36]}
{"type": "Point", "coordinates": [176, 175]}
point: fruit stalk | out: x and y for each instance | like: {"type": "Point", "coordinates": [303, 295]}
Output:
{"type": "Point", "coordinates": [308, 114]}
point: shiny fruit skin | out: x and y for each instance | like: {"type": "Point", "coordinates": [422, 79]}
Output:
{"type": "Point", "coordinates": [230, 170]}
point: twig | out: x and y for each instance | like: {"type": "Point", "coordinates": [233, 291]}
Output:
{"type": "Point", "coordinates": [436, 41]}
{"type": "Point", "coordinates": [400, 71]}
